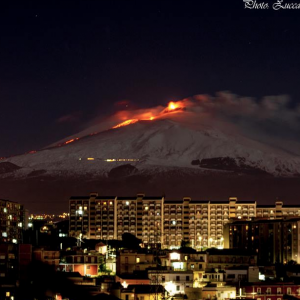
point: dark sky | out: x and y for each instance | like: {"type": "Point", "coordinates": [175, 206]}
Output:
{"type": "Point", "coordinates": [65, 63]}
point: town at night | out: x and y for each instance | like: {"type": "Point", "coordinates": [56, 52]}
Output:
{"type": "Point", "coordinates": [150, 150]}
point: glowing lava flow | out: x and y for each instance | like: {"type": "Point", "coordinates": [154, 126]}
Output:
{"type": "Point", "coordinates": [125, 123]}
{"type": "Point", "coordinates": [71, 141]}
{"type": "Point", "coordinates": [68, 142]}
{"type": "Point", "coordinates": [172, 107]}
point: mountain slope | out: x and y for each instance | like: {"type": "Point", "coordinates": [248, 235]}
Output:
{"type": "Point", "coordinates": [165, 143]}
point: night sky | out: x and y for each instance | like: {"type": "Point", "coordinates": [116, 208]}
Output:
{"type": "Point", "coordinates": [64, 64]}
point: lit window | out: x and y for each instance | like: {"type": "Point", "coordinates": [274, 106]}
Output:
{"type": "Point", "coordinates": [173, 222]}
{"type": "Point", "coordinates": [174, 255]}
{"type": "Point", "coordinates": [110, 203]}
{"type": "Point", "coordinates": [85, 208]}
{"type": "Point", "coordinates": [137, 260]}
{"type": "Point", "coordinates": [14, 241]}
{"type": "Point", "coordinates": [4, 234]}
{"type": "Point", "coordinates": [127, 202]}
{"type": "Point", "coordinates": [147, 207]}
{"type": "Point", "coordinates": [5, 209]}
{"type": "Point", "coordinates": [20, 224]}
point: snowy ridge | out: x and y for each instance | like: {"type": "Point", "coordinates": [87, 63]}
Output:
{"type": "Point", "coordinates": [165, 143]}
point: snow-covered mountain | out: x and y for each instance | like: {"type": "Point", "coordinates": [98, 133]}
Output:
{"type": "Point", "coordinates": [161, 143]}
{"type": "Point", "coordinates": [176, 155]}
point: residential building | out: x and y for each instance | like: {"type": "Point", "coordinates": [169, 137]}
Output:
{"type": "Point", "coordinates": [173, 281]}
{"type": "Point", "coordinates": [12, 221]}
{"type": "Point", "coordinates": [156, 220]}
{"type": "Point", "coordinates": [270, 290]}
{"type": "Point", "coordinates": [226, 258]}
{"type": "Point", "coordinates": [83, 262]}
{"type": "Point", "coordinates": [277, 211]}
{"type": "Point", "coordinates": [136, 278]}
{"type": "Point", "coordinates": [96, 217]}
{"type": "Point", "coordinates": [272, 240]}
{"type": "Point", "coordinates": [47, 256]}
{"type": "Point", "coordinates": [129, 261]}
{"type": "Point", "coordinates": [218, 291]}
{"type": "Point", "coordinates": [143, 292]}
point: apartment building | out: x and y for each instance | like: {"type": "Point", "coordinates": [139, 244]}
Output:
{"type": "Point", "coordinates": [157, 221]}
{"type": "Point", "coordinates": [270, 290]}
{"type": "Point", "coordinates": [12, 221]}
{"type": "Point", "coordinates": [272, 240]}
{"type": "Point", "coordinates": [201, 222]}
{"type": "Point", "coordinates": [98, 217]}
{"type": "Point", "coordinates": [278, 211]}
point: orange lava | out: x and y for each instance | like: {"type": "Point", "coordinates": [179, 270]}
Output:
{"type": "Point", "coordinates": [125, 123]}
{"type": "Point", "coordinates": [68, 142]}
{"type": "Point", "coordinates": [172, 107]}
{"type": "Point", "coordinates": [71, 141]}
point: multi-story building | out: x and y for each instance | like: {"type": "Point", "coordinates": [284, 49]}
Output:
{"type": "Point", "coordinates": [12, 221]}
{"type": "Point", "coordinates": [97, 217]}
{"type": "Point", "coordinates": [277, 211]}
{"type": "Point", "coordinates": [157, 221]}
{"type": "Point", "coordinates": [270, 290]}
{"type": "Point", "coordinates": [272, 240]}
{"type": "Point", "coordinates": [129, 261]}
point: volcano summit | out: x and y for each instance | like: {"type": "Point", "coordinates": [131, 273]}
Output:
{"type": "Point", "coordinates": [186, 149]}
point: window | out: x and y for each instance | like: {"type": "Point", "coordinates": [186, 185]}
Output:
{"type": "Point", "coordinates": [192, 266]}
{"type": "Point", "coordinates": [126, 260]}
{"type": "Point", "coordinates": [137, 260]}
{"type": "Point", "coordinates": [177, 278]}
{"type": "Point", "coordinates": [258, 291]}
{"type": "Point", "coordinates": [177, 287]}
{"type": "Point", "coordinates": [268, 290]}
{"type": "Point", "coordinates": [278, 290]}
{"type": "Point", "coordinates": [126, 297]}
{"type": "Point", "coordinates": [289, 291]}
{"type": "Point", "coordinates": [187, 278]}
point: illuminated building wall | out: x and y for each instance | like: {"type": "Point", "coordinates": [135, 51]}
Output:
{"type": "Point", "coordinates": [278, 211]}
{"type": "Point", "coordinates": [98, 217]}
{"type": "Point", "coordinates": [272, 240]}
{"type": "Point", "coordinates": [154, 220]}
{"type": "Point", "coordinates": [12, 221]}
{"type": "Point", "coordinates": [201, 222]}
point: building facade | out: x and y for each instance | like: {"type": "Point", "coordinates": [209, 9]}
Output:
{"type": "Point", "coordinates": [12, 221]}
{"type": "Point", "coordinates": [157, 221]}
{"type": "Point", "coordinates": [275, 241]}
{"type": "Point", "coordinates": [270, 291]}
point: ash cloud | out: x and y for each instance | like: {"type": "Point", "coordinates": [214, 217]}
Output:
{"type": "Point", "coordinates": [272, 119]}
